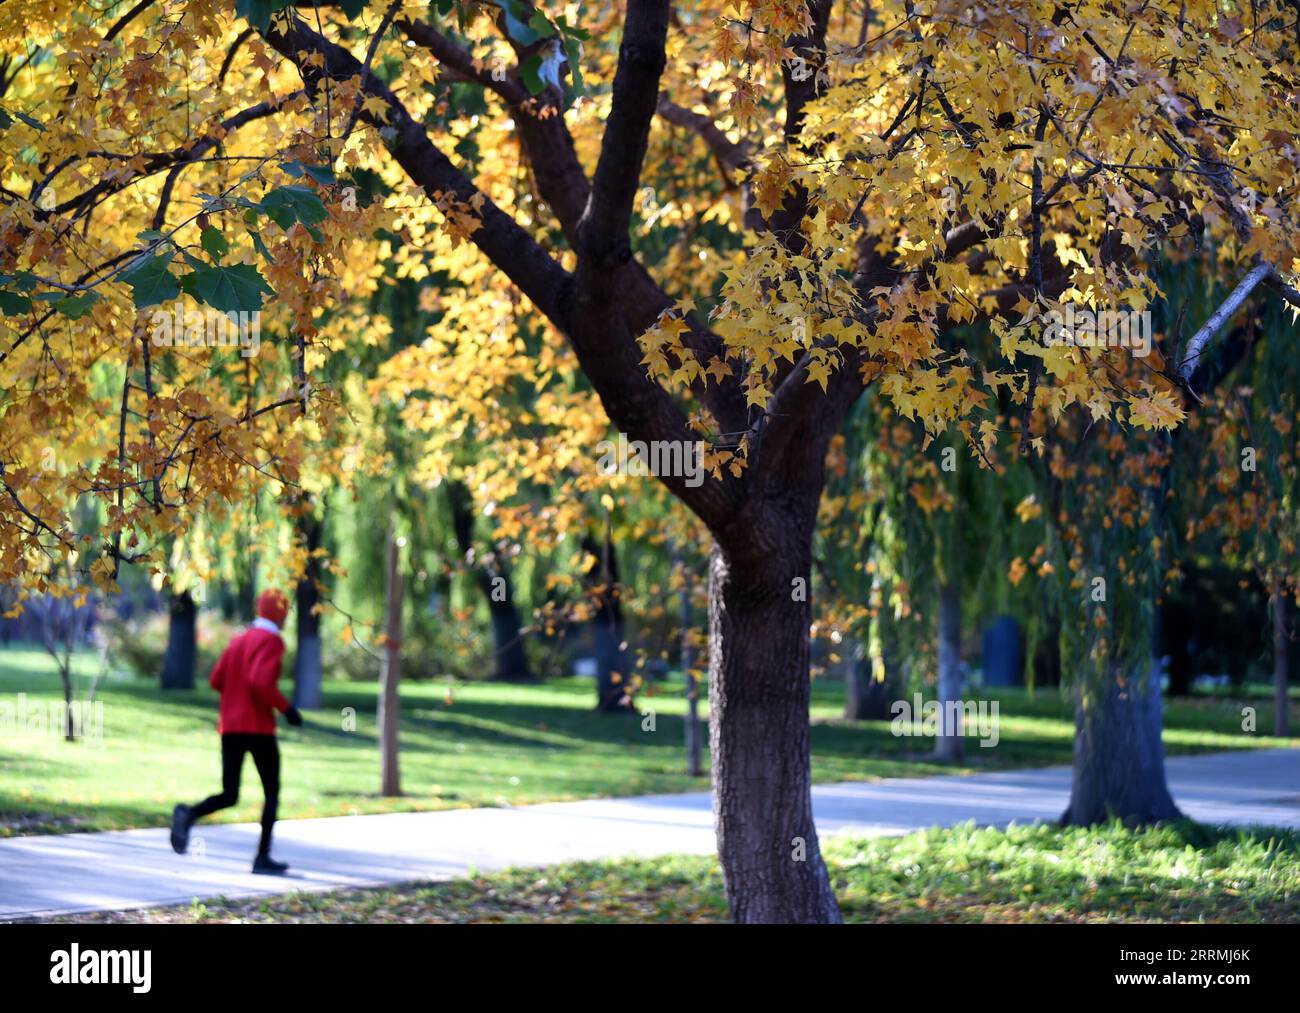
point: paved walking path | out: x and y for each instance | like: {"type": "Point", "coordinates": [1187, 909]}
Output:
{"type": "Point", "coordinates": [133, 868]}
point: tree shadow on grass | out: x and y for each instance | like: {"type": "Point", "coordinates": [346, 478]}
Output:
{"type": "Point", "coordinates": [1206, 837]}
{"type": "Point", "coordinates": [34, 767]}
{"type": "Point", "coordinates": [35, 817]}
{"type": "Point", "coordinates": [538, 726]}
{"type": "Point", "coordinates": [874, 740]}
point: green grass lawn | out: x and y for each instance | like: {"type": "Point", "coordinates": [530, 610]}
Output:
{"type": "Point", "coordinates": [472, 744]}
{"type": "Point", "coordinates": [1173, 873]}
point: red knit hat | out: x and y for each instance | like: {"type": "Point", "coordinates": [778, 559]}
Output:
{"type": "Point", "coordinates": [273, 605]}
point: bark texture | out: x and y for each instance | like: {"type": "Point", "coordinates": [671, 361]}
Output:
{"type": "Point", "coordinates": [390, 674]}
{"type": "Point", "coordinates": [759, 737]}
{"type": "Point", "coordinates": [1119, 758]}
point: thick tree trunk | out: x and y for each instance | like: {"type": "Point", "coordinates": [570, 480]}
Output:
{"type": "Point", "coordinates": [1047, 652]}
{"type": "Point", "coordinates": [865, 697]}
{"type": "Point", "coordinates": [608, 631]}
{"type": "Point", "coordinates": [1176, 628]}
{"type": "Point", "coordinates": [307, 693]}
{"type": "Point", "coordinates": [1281, 699]}
{"type": "Point", "coordinates": [390, 673]}
{"type": "Point", "coordinates": [510, 662]}
{"type": "Point", "coordinates": [1119, 758]}
{"type": "Point", "coordinates": [759, 736]}
{"type": "Point", "coordinates": [182, 643]}
{"type": "Point", "coordinates": [949, 743]}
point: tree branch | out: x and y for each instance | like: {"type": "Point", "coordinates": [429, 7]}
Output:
{"type": "Point", "coordinates": [803, 82]}
{"type": "Point", "coordinates": [499, 236]}
{"type": "Point", "coordinates": [592, 313]}
{"type": "Point", "coordinates": [461, 60]}
{"type": "Point", "coordinates": [563, 185]}
{"type": "Point", "coordinates": [1197, 342]}
{"type": "Point", "coordinates": [730, 155]}
{"type": "Point", "coordinates": [602, 231]}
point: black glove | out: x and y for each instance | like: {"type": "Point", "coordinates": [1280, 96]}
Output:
{"type": "Point", "coordinates": [293, 717]}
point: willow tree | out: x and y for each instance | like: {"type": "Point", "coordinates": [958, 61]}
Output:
{"type": "Point", "coordinates": [877, 176]}
{"type": "Point", "coordinates": [1240, 454]}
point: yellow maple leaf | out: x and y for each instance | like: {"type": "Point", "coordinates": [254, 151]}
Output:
{"type": "Point", "coordinates": [375, 106]}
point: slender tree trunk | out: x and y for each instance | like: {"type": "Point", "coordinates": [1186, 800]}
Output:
{"type": "Point", "coordinates": [56, 637]}
{"type": "Point", "coordinates": [949, 743]}
{"type": "Point", "coordinates": [246, 587]}
{"type": "Point", "coordinates": [69, 724]}
{"type": "Point", "coordinates": [758, 731]}
{"type": "Point", "coordinates": [1119, 758]}
{"type": "Point", "coordinates": [1281, 699]}
{"type": "Point", "coordinates": [390, 672]}
{"type": "Point", "coordinates": [182, 642]}
{"type": "Point", "coordinates": [307, 693]}
{"type": "Point", "coordinates": [855, 686]}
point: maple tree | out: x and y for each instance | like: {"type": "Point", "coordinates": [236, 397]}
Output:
{"type": "Point", "coordinates": [722, 221]}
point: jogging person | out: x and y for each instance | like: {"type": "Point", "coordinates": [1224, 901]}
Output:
{"type": "Point", "coordinates": [246, 676]}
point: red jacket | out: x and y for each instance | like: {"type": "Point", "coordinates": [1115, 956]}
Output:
{"type": "Point", "coordinates": [246, 675]}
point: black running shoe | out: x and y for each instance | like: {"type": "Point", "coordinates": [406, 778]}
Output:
{"type": "Point", "coordinates": [268, 866]}
{"type": "Point", "coordinates": [180, 829]}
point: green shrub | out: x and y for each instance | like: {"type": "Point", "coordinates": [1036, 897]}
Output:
{"type": "Point", "coordinates": [139, 645]}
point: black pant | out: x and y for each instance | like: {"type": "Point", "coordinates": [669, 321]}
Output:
{"type": "Point", "coordinates": [266, 757]}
